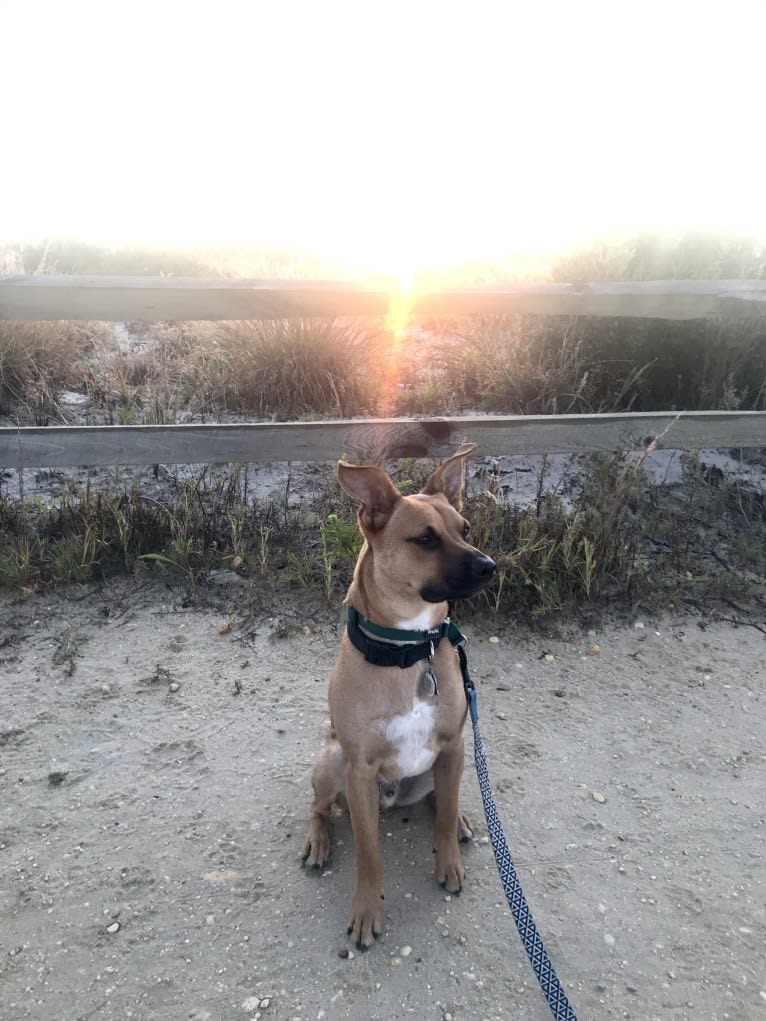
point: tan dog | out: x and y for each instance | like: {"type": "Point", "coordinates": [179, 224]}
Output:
{"type": "Point", "coordinates": [396, 728]}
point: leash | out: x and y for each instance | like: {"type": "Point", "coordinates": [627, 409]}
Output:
{"type": "Point", "coordinates": [421, 645]}
{"type": "Point", "coordinates": [522, 915]}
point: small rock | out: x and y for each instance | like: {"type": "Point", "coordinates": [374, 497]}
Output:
{"type": "Point", "coordinates": [396, 961]}
{"type": "Point", "coordinates": [494, 640]}
{"type": "Point", "coordinates": [639, 625]}
{"type": "Point", "coordinates": [549, 657]}
{"type": "Point", "coordinates": [251, 1003]}
{"type": "Point", "coordinates": [594, 650]}
{"type": "Point", "coordinates": [405, 951]}
{"type": "Point", "coordinates": [225, 628]}
{"type": "Point", "coordinates": [2, 771]}
{"type": "Point", "coordinates": [599, 797]}
{"type": "Point", "coordinates": [343, 953]}
{"type": "Point", "coordinates": [501, 716]}
{"type": "Point", "coordinates": [113, 928]}
{"type": "Point", "coordinates": [174, 687]}
{"type": "Point", "coordinates": [265, 1003]}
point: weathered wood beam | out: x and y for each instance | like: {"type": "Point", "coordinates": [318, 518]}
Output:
{"type": "Point", "coordinates": [176, 298]}
{"type": "Point", "coordinates": [375, 439]}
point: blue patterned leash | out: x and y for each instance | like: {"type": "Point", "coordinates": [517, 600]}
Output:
{"type": "Point", "coordinates": [522, 916]}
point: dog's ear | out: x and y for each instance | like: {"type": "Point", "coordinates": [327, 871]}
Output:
{"type": "Point", "coordinates": [449, 477]}
{"type": "Point", "coordinates": [373, 489]}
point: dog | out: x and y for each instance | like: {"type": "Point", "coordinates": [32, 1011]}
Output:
{"type": "Point", "coordinates": [396, 696]}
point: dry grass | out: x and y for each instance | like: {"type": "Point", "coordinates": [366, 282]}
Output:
{"type": "Point", "coordinates": [622, 543]}
{"type": "Point", "coordinates": [168, 372]}
{"type": "Point", "coordinates": [37, 360]}
{"type": "Point", "coordinates": [558, 365]}
{"type": "Point", "coordinates": [288, 369]}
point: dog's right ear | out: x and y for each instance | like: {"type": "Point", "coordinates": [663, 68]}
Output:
{"type": "Point", "coordinates": [374, 491]}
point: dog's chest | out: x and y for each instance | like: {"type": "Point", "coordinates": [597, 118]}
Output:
{"type": "Point", "coordinates": [412, 738]}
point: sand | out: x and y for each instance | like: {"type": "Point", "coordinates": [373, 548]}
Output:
{"type": "Point", "coordinates": [155, 757]}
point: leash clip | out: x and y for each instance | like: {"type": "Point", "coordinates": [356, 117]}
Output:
{"type": "Point", "coordinates": [431, 653]}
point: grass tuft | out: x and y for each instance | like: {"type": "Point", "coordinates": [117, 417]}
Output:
{"type": "Point", "coordinates": [621, 542]}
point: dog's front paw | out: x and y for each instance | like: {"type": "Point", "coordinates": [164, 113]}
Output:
{"type": "Point", "coordinates": [365, 924]}
{"type": "Point", "coordinates": [450, 873]}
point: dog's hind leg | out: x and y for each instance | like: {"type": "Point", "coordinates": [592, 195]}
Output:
{"type": "Point", "coordinates": [329, 781]}
{"type": "Point", "coordinates": [464, 828]}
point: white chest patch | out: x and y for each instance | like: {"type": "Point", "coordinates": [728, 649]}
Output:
{"type": "Point", "coordinates": [411, 735]}
{"type": "Point", "coordinates": [422, 622]}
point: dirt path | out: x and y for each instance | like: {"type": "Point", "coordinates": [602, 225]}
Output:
{"type": "Point", "coordinates": [149, 835]}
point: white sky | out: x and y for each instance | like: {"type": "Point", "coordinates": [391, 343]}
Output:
{"type": "Point", "coordinates": [397, 134]}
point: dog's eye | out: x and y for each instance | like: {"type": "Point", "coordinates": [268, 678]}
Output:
{"type": "Point", "coordinates": [428, 540]}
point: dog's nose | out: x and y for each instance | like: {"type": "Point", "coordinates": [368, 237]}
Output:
{"type": "Point", "coordinates": [483, 567]}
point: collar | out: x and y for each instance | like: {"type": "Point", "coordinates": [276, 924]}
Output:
{"type": "Point", "coordinates": [383, 649]}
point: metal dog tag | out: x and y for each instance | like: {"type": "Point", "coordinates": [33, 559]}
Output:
{"type": "Point", "coordinates": [428, 681]}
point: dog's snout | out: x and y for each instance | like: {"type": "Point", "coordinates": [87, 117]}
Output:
{"type": "Point", "coordinates": [483, 567]}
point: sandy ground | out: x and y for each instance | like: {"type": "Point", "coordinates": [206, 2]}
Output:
{"type": "Point", "coordinates": [154, 788]}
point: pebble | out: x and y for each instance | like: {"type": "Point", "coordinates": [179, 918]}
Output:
{"type": "Point", "coordinates": [265, 1003]}
{"type": "Point", "coordinates": [639, 625]}
{"type": "Point", "coordinates": [501, 716]}
{"type": "Point", "coordinates": [113, 928]}
{"type": "Point", "coordinates": [2, 771]}
{"type": "Point", "coordinates": [494, 640]}
{"type": "Point", "coordinates": [594, 650]}
{"type": "Point", "coordinates": [599, 797]}
{"type": "Point", "coordinates": [405, 951]}
{"type": "Point", "coordinates": [549, 657]}
{"type": "Point", "coordinates": [174, 687]}
{"type": "Point", "coordinates": [225, 628]}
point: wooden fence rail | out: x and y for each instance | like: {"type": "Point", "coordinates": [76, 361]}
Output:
{"type": "Point", "coordinates": [163, 298]}
{"type": "Point", "coordinates": [375, 439]}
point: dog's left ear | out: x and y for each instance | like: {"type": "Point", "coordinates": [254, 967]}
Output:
{"type": "Point", "coordinates": [373, 489]}
{"type": "Point", "coordinates": [449, 477]}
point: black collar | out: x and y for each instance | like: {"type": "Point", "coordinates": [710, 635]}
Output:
{"type": "Point", "coordinates": [383, 650]}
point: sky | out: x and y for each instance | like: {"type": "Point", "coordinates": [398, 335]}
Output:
{"type": "Point", "coordinates": [397, 136]}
